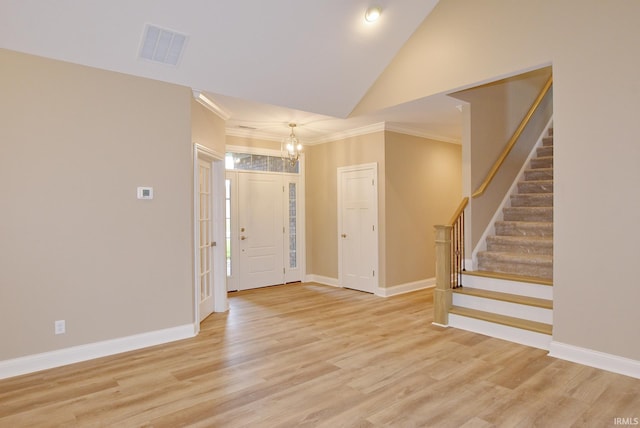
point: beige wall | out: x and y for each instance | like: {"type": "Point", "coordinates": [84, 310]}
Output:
{"type": "Point", "coordinates": [253, 143]}
{"type": "Point", "coordinates": [590, 44]}
{"type": "Point", "coordinates": [419, 185]}
{"type": "Point", "coordinates": [76, 244]}
{"type": "Point", "coordinates": [496, 111]}
{"type": "Point", "coordinates": [207, 129]}
{"type": "Point", "coordinates": [423, 187]}
{"type": "Point", "coordinates": [322, 162]}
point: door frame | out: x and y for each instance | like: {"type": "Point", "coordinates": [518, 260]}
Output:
{"type": "Point", "coordinates": [219, 287]}
{"type": "Point", "coordinates": [301, 208]}
{"type": "Point", "coordinates": [376, 264]}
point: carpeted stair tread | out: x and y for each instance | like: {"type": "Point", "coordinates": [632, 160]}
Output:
{"type": "Point", "coordinates": [535, 186]}
{"type": "Point", "coordinates": [547, 141]}
{"type": "Point", "coordinates": [538, 174]}
{"type": "Point", "coordinates": [537, 214]}
{"type": "Point", "coordinates": [536, 265]}
{"type": "Point", "coordinates": [542, 162]}
{"type": "Point", "coordinates": [524, 228]}
{"type": "Point", "coordinates": [532, 200]}
{"type": "Point", "coordinates": [534, 326]}
{"type": "Point", "coordinates": [533, 259]}
{"type": "Point", "coordinates": [520, 244]}
{"type": "Point", "coordinates": [544, 151]}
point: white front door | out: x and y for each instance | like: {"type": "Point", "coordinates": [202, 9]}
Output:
{"type": "Point", "coordinates": [205, 241]}
{"type": "Point", "coordinates": [260, 230]}
{"type": "Point", "coordinates": [358, 227]}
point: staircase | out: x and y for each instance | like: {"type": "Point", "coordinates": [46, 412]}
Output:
{"type": "Point", "coordinates": [523, 240]}
{"type": "Point", "coordinates": [510, 295]}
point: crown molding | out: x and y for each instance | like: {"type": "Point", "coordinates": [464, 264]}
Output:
{"type": "Point", "coordinates": [210, 105]}
{"type": "Point", "coordinates": [363, 130]}
{"type": "Point", "coordinates": [419, 133]}
{"type": "Point", "coordinates": [251, 133]}
{"type": "Point", "coordinates": [341, 135]}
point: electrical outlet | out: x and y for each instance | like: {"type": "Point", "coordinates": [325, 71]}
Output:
{"type": "Point", "coordinates": [60, 327]}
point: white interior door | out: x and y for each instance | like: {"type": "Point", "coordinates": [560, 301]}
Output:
{"type": "Point", "coordinates": [260, 230]}
{"type": "Point", "coordinates": [205, 241]}
{"type": "Point", "coordinates": [358, 227]}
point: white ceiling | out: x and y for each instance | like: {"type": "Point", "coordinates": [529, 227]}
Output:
{"type": "Point", "coordinates": [266, 63]}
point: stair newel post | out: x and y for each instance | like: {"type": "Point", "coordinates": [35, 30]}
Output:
{"type": "Point", "coordinates": [442, 294]}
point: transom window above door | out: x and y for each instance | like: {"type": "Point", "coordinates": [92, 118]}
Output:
{"type": "Point", "coordinates": [253, 162]}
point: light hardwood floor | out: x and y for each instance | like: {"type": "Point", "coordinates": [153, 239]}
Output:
{"type": "Point", "coordinates": [312, 355]}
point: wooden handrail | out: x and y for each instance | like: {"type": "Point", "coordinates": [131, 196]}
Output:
{"type": "Point", "coordinates": [458, 211]}
{"type": "Point", "coordinates": [512, 141]}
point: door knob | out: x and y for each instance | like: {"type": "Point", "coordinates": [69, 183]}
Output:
{"type": "Point", "coordinates": [344, 235]}
{"type": "Point", "coordinates": [242, 238]}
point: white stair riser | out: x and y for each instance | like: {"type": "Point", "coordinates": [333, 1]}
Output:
{"type": "Point", "coordinates": [512, 334]}
{"type": "Point", "coordinates": [506, 286]}
{"type": "Point", "coordinates": [516, 310]}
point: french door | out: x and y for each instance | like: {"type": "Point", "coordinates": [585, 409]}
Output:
{"type": "Point", "coordinates": [205, 239]}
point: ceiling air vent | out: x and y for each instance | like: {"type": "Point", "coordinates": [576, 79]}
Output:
{"type": "Point", "coordinates": [162, 45]}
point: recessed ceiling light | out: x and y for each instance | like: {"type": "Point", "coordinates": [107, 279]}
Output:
{"type": "Point", "coordinates": [372, 14]}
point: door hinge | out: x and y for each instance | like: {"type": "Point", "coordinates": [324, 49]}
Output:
{"type": "Point", "coordinates": [283, 271]}
{"type": "Point", "coordinates": [373, 227]}
{"type": "Point", "coordinates": [373, 273]}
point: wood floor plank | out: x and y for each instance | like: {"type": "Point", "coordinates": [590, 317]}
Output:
{"type": "Point", "coordinates": [308, 355]}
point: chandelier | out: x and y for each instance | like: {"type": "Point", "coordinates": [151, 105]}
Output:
{"type": "Point", "coordinates": [291, 147]}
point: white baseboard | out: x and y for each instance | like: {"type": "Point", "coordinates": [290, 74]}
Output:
{"type": "Point", "coordinates": [380, 291]}
{"type": "Point", "coordinates": [406, 287]}
{"type": "Point", "coordinates": [599, 360]}
{"type": "Point", "coordinates": [76, 354]}
{"type": "Point", "coordinates": [326, 280]}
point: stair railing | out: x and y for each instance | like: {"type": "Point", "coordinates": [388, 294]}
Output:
{"type": "Point", "coordinates": [513, 140]}
{"type": "Point", "coordinates": [450, 237]}
{"type": "Point", "coordinates": [449, 263]}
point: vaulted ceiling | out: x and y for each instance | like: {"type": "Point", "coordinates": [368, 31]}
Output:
{"type": "Point", "coordinates": [266, 63]}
